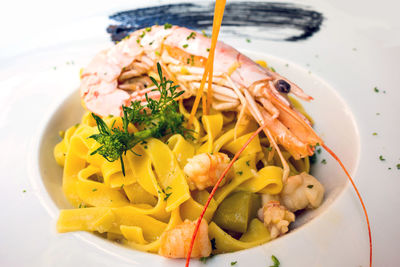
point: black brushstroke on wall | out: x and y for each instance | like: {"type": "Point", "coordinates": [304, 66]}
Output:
{"type": "Point", "coordinates": [273, 21]}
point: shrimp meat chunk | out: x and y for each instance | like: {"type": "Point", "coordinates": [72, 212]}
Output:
{"type": "Point", "coordinates": [302, 191]}
{"type": "Point", "coordinates": [276, 218]}
{"type": "Point", "coordinates": [203, 170]}
{"type": "Point", "coordinates": [175, 242]}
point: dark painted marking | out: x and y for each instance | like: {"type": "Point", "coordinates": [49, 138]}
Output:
{"type": "Point", "coordinates": [273, 21]}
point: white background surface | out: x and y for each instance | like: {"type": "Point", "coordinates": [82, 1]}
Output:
{"type": "Point", "coordinates": [38, 35]}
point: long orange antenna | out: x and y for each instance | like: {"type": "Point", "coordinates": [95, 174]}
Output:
{"type": "Point", "coordinates": [208, 71]}
{"type": "Point", "coordinates": [359, 197]}
{"type": "Point", "coordinates": [215, 189]}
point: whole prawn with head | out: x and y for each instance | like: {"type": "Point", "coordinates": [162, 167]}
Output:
{"type": "Point", "coordinates": [121, 74]}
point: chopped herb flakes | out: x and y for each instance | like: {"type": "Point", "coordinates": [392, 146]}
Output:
{"type": "Point", "coordinates": [323, 161]}
{"type": "Point", "coordinates": [248, 163]}
{"type": "Point", "coordinates": [310, 186]}
{"type": "Point", "coordinates": [275, 261]}
{"type": "Point", "coordinates": [272, 69]}
{"type": "Point", "coordinates": [192, 35]}
{"type": "Point", "coordinates": [122, 186]}
{"type": "Point", "coordinates": [319, 150]}
{"type": "Point", "coordinates": [204, 259]}
{"type": "Point", "coordinates": [376, 90]}
{"type": "Point", "coordinates": [94, 189]}
{"type": "Point", "coordinates": [382, 158]}
{"type": "Point", "coordinates": [398, 166]}
{"type": "Point", "coordinates": [239, 173]}
{"type": "Point", "coordinates": [374, 134]}
{"type": "Point", "coordinates": [24, 191]}
{"type": "Point", "coordinates": [167, 195]}
{"type": "Point", "coordinates": [233, 263]}
{"type": "Point", "coordinates": [167, 26]}
{"type": "Point", "coordinates": [208, 49]}
{"type": "Point", "coordinates": [185, 45]}
{"type": "Point", "coordinates": [248, 40]}
{"type": "Point", "coordinates": [148, 29]}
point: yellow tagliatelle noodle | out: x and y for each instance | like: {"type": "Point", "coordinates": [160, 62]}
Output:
{"type": "Point", "coordinates": [153, 196]}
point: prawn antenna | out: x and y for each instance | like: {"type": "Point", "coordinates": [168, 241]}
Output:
{"type": "Point", "coordinates": [215, 189]}
{"type": "Point", "coordinates": [359, 197]}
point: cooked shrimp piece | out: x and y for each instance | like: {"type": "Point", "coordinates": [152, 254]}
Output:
{"type": "Point", "coordinates": [276, 218]}
{"type": "Point", "coordinates": [302, 191]}
{"type": "Point", "coordinates": [203, 170]}
{"type": "Point", "coordinates": [175, 242]}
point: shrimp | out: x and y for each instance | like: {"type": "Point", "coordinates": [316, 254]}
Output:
{"type": "Point", "coordinates": [203, 170]}
{"type": "Point", "coordinates": [276, 218]}
{"type": "Point", "coordinates": [119, 75]}
{"type": "Point", "coordinates": [302, 191]}
{"type": "Point", "coordinates": [175, 243]}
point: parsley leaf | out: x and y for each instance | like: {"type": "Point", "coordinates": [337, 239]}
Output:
{"type": "Point", "coordinates": [233, 263]}
{"type": "Point", "coordinates": [275, 261]}
{"type": "Point", "coordinates": [158, 118]}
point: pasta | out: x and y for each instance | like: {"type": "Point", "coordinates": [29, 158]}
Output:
{"type": "Point", "coordinates": [154, 194]}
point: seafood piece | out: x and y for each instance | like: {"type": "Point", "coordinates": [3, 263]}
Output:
{"type": "Point", "coordinates": [117, 76]}
{"type": "Point", "coordinates": [175, 243]}
{"type": "Point", "coordinates": [302, 191]}
{"type": "Point", "coordinates": [276, 218]}
{"type": "Point", "coordinates": [203, 170]}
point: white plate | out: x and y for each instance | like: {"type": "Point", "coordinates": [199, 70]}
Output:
{"type": "Point", "coordinates": [345, 107]}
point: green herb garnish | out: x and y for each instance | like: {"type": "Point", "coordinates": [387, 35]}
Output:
{"type": "Point", "coordinates": [382, 158]}
{"type": "Point", "coordinates": [275, 261]}
{"type": "Point", "coordinates": [158, 118]}
{"type": "Point", "coordinates": [185, 45]}
{"type": "Point", "coordinates": [323, 161]}
{"type": "Point", "coordinates": [376, 90]}
{"type": "Point", "coordinates": [167, 26]}
{"type": "Point", "coordinates": [167, 196]}
{"type": "Point", "coordinates": [233, 263]}
{"type": "Point", "coordinates": [248, 163]}
{"type": "Point", "coordinates": [310, 186]}
{"type": "Point", "coordinates": [398, 166]}
{"type": "Point", "coordinates": [239, 173]}
{"type": "Point", "coordinates": [94, 189]}
{"type": "Point", "coordinates": [272, 69]}
{"type": "Point", "coordinates": [248, 40]}
{"type": "Point", "coordinates": [192, 35]}
{"type": "Point", "coordinates": [374, 134]}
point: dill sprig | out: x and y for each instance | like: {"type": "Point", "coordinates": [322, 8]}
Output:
{"type": "Point", "coordinates": [157, 118]}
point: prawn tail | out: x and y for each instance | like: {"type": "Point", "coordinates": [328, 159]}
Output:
{"type": "Point", "coordinates": [358, 195]}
